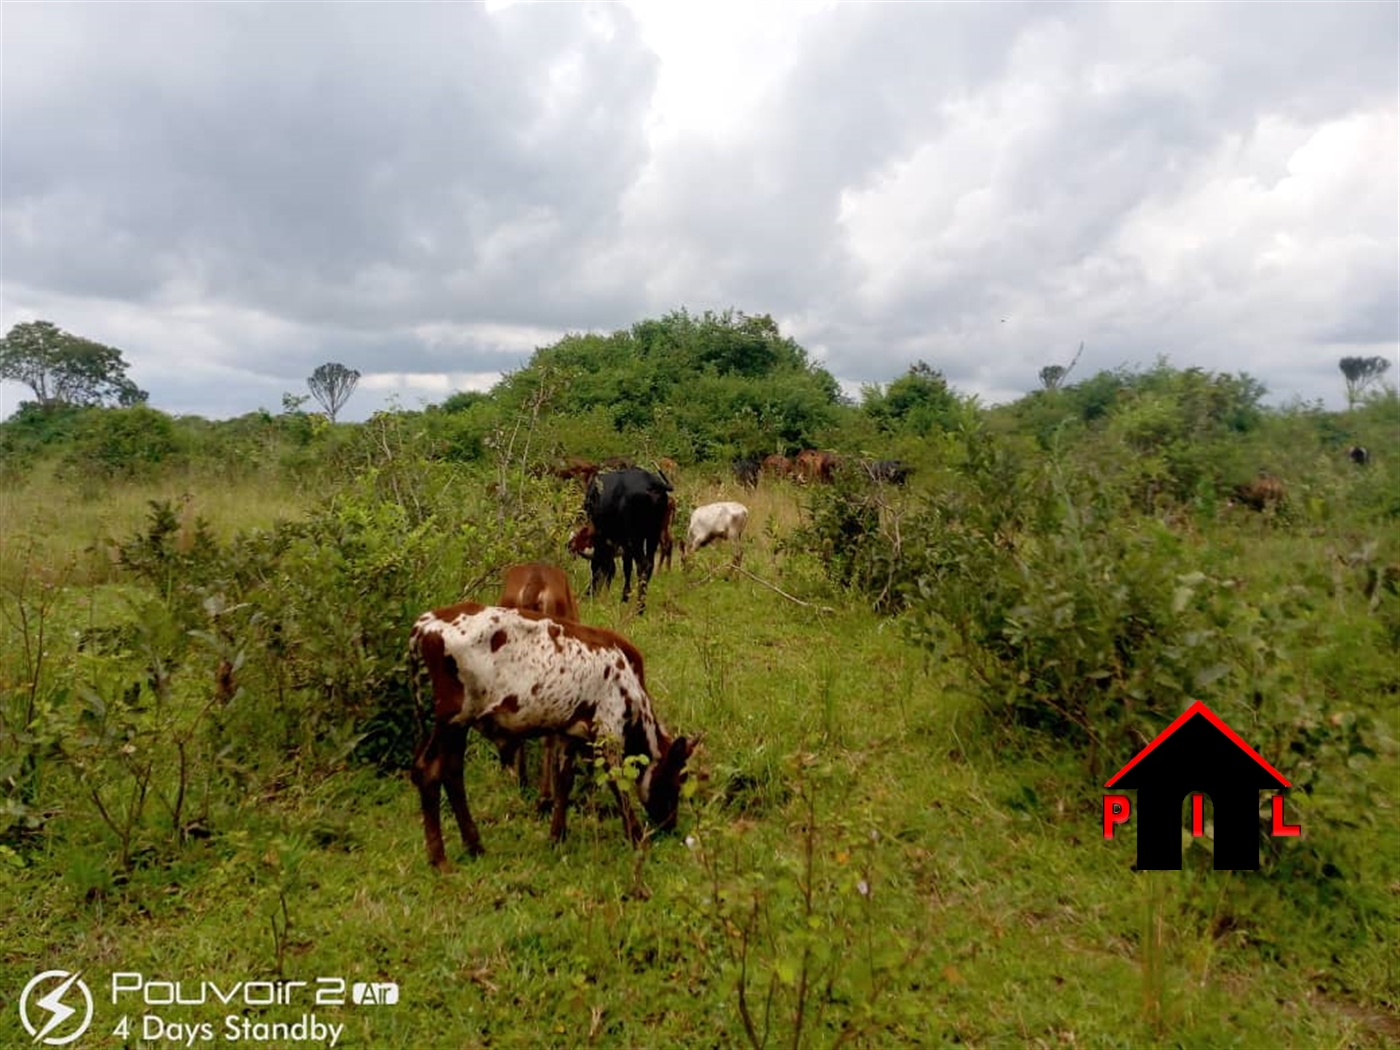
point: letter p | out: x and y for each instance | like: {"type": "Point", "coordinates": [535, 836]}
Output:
{"type": "Point", "coordinates": [1116, 810]}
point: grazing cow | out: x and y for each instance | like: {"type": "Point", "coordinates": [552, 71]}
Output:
{"type": "Point", "coordinates": [626, 511]}
{"type": "Point", "coordinates": [716, 521]}
{"type": "Point", "coordinates": [1359, 455]}
{"type": "Point", "coordinates": [513, 674]}
{"type": "Point", "coordinates": [1263, 493]}
{"type": "Point", "coordinates": [895, 471]}
{"type": "Point", "coordinates": [746, 472]}
{"type": "Point", "coordinates": [544, 589]}
{"type": "Point", "coordinates": [576, 467]}
{"type": "Point", "coordinates": [776, 466]}
{"type": "Point", "coordinates": [815, 467]}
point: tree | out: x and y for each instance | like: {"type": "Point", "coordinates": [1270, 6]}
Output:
{"type": "Point", "coordinates": [1361, 372]}
{"type": "Point", "coordinates": [65, 369]}
{"type": "Point", "coordinates": [1051, 376]}
{"type": "Point", "coordinates": [331, 385]}
{"type": "Point", "coordinates": [917, 401]}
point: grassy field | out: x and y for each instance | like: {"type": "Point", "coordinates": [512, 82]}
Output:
{"type": "Point", "coordinates": [865, 861]}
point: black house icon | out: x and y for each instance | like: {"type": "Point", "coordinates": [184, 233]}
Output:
{"type": "Point", "coordinates": [1198, 753]}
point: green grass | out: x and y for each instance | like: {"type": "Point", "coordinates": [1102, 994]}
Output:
{"type": "Point", "coordinates": [861, 847]}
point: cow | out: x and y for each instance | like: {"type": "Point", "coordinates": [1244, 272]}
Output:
{"type": "Point", "coordinates": [895, 471]}
{"type": "Point", "coordinates": [776, 466]}
{"type": "Point", "coordinates": [716, 521]}
{"type": "Point", "coordinates": [626, 512]}
{"type": "Point", "coordinates": [746, 472]}
{"type": "Point", "coordinates": [1265, 492]}
{"type": "Point", "coordinates": [1359, 455]}
{"type": "Point", "coordinates": [544, 589]}
{"type": "Point", "coordinates": [575, 467]}
{"type": "Point", "coordinates": [815, 467]}
{"type": "Point", "coordinates": [512, 674]}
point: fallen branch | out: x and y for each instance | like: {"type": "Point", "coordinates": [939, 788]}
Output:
{"type": "Point", "coordinates": [799, 601]}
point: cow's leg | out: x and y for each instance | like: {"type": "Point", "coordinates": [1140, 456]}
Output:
{"type": "Point", "coordinates": [439, 760]}
{"type": "Point", "coordinates": [563, 786]}
{"type": "Point", "coordinates": [645, 565]}
{"type": "Point", "coordinates": [626, 573]}
{"type": "Point", "coordinates": [550, 755]}
{"type": "Point", "coordinates": [426, 775]}
{"type": "Point", "coordinates": [454, 758]}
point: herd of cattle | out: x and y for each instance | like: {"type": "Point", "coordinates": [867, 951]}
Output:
{"type": "Point", "coordinates": [527, 668]}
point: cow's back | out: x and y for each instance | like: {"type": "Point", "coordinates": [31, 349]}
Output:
{"type": "Point", "coordinates": [541, 587]}
{"type": "Point", "coordinates": [627, 502]}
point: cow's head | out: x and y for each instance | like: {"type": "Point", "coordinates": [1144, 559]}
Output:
{"type": "Point", "coordinates": [663, 785]}
{"type": "Point", "coordinates": [581, 542]}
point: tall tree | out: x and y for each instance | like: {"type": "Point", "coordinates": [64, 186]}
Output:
{"type": "Point", "coordinates": [331, 385]}
{"type": "Point", "coordinates": [65, 369]}
{"type": "Point", "coordinates": [1361, 372]}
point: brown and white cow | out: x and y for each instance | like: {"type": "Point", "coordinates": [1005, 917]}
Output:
{"type": "Point", "coordinates": [545, 589]}
{"type": "Point", "coordinates": [513, 674]}
{"type": "Point", "coordinates": [716, 521]}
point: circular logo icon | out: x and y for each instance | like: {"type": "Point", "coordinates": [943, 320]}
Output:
{"type": "Point", "coordinates": [55, 1014]}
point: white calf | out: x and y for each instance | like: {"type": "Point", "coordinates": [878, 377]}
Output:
{"type": "Point", "coordinates": [716, 521]}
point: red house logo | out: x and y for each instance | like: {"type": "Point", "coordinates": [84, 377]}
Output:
{"type": "Point", "coordinates": [1199, 755]}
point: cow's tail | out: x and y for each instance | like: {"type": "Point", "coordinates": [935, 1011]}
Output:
{"type": "Point", "coordinates": [418, 680]}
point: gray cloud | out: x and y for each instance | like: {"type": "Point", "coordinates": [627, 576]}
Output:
{"type": "Point", "coordinates": [235, 193]}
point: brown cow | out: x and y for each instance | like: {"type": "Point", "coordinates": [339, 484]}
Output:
{"type": "Point", "coordinates": [543, 588]}
{"type": "Point", "coordinates": [512, 674]}
{"type": "Point", "coordinates": [815, 467]}
{"type": "Point", "coordinates": [575, 467]}
{"type": "Point", "coordinates": [1265, 492]}
{"type": "Point", "coordinates": [776, 466]}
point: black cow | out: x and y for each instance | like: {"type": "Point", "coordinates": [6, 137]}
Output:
{"type": "Point", "coordinates": [746, 472]}
{"type": "Point", "coordinates": [1359, 455]}
{"type": "Point", "coordinates": [895, 471]}
{"type": "Point", "coordinates": [627, 512]}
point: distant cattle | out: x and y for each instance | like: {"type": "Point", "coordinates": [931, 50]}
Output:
{"type": "Point", "coordinates": [893, 471]}
{"type": "Point", "coordinates": [746, 472]}
{"type": "Point", "coordinates": [626, 513]}
{"type": "Point", "coordinates": [575, 467]}
{"type": "Point", "coordinates": [1265, 492]}
{"type": "Point", "coordinates": [716, 521]}
{"type": "Point", "coordinates": [1359, 455]}
{"type": "Point", "coordinates": [816, 468]}
{"type": "Point", "coordinates": [544, 589]}
{"type": "Point", "coordinates": [776, 466]}
{"type": "Point", "coordinates": [513, 674]}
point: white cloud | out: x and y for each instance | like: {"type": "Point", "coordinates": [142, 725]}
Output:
{"type": "Point", "coordinates": [427, 193]}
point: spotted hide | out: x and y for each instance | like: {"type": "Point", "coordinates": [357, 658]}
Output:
{"type": "Point", "coordinates": [513, 674]}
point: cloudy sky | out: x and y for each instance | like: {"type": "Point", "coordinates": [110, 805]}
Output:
{"type": "Point", "coordinates": [235, 193]}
